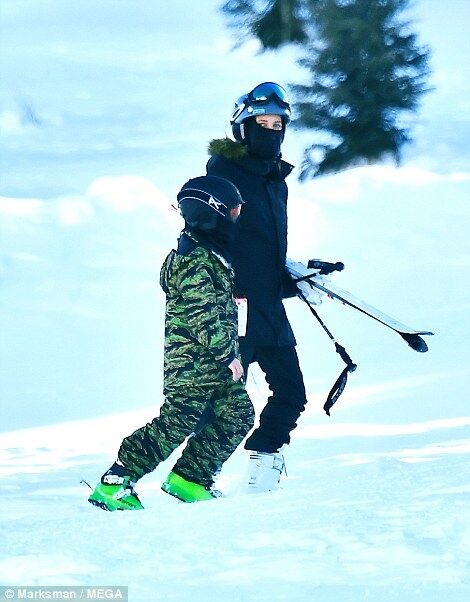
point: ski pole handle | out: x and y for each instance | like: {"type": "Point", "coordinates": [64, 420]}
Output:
{"type": "Point", "coordinates": [325, 267]}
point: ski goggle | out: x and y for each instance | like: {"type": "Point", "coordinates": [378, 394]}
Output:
{"type": "Point", "coordinates": [267, 91]}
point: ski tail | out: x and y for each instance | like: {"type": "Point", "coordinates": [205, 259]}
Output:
{"type": "Point", "coordinates": [415, 341]}
{"type": "Point", "coordinates": [412, 337]}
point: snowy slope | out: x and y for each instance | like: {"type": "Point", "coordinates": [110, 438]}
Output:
{"type": "Point", "coordinates": [367, 512]}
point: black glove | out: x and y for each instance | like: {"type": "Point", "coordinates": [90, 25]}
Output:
{"type": "Point", "coordinates": [289, 287]}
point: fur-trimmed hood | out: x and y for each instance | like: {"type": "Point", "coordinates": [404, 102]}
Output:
{"type": "Point", "coordinates": [227, 148]}
{"type": "Point", "coordinates": [236, 151]}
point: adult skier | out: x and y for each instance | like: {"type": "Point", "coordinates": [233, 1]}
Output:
{"type": "Point", "coordinates": [253, 163]}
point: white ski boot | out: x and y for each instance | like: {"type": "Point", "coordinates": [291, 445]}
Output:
{"type": "Point", "coordinates": [264, 471]}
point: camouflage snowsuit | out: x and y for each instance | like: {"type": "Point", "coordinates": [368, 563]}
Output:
{"type": "Point", "coordinates": [200, 342]}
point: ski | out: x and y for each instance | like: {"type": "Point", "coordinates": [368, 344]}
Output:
{"type": "Point", "coordinates": [311, 274]}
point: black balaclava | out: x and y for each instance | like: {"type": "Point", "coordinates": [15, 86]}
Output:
{"type": "Point", "coordinates": [263, 142]}
{"type": "Point", "coordinates": [219, 240]}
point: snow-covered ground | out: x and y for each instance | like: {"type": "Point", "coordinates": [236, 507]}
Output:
{"type": "Point", "coordinates": [367, 512]}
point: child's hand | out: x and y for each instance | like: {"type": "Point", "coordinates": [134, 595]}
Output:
{"type": "Point", "coordinates": [236, 368]}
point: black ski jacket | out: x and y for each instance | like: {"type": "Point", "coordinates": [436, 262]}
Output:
{"type": "Point", "coordinates": [259, 250]}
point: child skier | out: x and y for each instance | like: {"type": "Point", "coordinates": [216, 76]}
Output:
{"type": "Point", "coordinates": [201, 365]}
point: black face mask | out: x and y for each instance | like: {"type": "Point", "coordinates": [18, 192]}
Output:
{"type": "Point", "coordinates": [220, 239]}
{"type": "Point", "coordinates": [263, 142]}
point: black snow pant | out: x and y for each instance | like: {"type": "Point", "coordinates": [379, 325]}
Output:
{"type": "Point", "coordinates": [284, 377]}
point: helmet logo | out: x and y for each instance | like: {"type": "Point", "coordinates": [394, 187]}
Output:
{"type": "Point", "coordinates": [214, 203]}
{"type": "Point", "coordinates": [237, 111]}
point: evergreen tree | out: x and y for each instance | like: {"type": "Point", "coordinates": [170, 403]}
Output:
{"type": "Point", "coordinates": [367, 70]}
{"type": "Point", "coordinates": [272, 22]}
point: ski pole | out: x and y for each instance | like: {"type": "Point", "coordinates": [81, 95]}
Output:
{"type": "Point", "coordinates": [341, 381]}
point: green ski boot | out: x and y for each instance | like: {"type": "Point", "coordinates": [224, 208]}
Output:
{"type": "Point", "coordinates": [187, 491]}
{"type": "Point", "coordinates": [115, 497]}
{"type": "Point", "coordinates": [115, 491]}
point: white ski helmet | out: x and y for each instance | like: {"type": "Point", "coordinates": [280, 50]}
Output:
{"type": "Point", "coordinates": [267, 98]}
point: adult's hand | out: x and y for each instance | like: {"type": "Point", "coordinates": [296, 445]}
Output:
{"type": "Point", "coordinates": [313, 295]}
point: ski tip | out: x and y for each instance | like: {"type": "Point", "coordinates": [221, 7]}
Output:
{"type": "Point", "coordinates": [415, 341]}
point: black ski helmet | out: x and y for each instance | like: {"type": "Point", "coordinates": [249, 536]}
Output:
{"type": "Point", "coordinates": [267, 98]}
{"type": "Point", "coordinates": [204, 200]}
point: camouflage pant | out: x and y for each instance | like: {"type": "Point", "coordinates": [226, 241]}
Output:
{"type": "Point", "coordinates": [205, 452]}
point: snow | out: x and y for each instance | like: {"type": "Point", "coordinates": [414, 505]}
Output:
{"type": "Point", "coordinates": [360, 516]}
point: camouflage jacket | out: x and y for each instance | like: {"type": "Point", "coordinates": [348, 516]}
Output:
{"type": "Point", "coordinates": [201, 314]}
